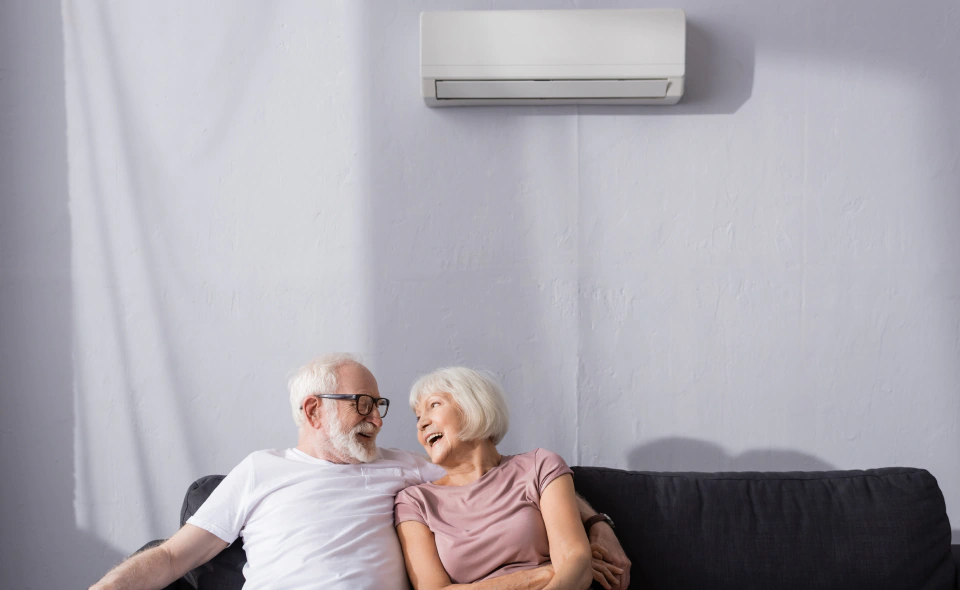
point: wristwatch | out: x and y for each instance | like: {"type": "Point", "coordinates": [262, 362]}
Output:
{"type": "Point", "coordinates": [598, 517]}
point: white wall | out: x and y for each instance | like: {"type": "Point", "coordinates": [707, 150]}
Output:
{"type": "Point", "coordinates": [766, 276]}
{"type": "Point", "coordinates": [41, 545]}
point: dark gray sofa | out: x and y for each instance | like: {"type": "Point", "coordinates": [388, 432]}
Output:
{"type": "Point", "coordinates": [881, 529]}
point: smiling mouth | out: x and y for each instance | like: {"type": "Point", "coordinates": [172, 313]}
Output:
{"type": "Point", "coordinates": [366, 433]}
{"type": "Point", "coordinates": [367, 436]}
{"type": "Point", "coordinates": [433, 438]}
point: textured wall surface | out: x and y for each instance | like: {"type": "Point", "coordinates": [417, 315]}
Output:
{"type": "Point", "coordinates": [763, 277]}
{"type": "Point", "coordinates": [41, 545]}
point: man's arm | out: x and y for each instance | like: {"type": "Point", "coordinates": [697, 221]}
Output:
{"type": "Point", "coordinates": [606, 550]}
{"type": "Point", "coordinates": [156, 568]}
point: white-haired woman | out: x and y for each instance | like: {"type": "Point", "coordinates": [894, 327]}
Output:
{"type": "Point", "coordinates": [496, 521]}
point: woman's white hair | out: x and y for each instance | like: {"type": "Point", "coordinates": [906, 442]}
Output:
{"type": "Point", "coordinates": [477, 394]}
{"type": "Point", "coordinates": [318, 377]}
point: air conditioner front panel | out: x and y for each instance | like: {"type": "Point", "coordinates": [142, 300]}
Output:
{"type": "Point", "coordinates": [632, 56]}
{"type": "Point", "coordinates": [552, 37]}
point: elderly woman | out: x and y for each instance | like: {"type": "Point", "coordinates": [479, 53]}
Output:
{"type": "Point", "coordinates": [494, 521]}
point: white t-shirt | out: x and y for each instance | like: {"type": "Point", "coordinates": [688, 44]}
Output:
{"type": "Point", "coordinates": [309, 523]}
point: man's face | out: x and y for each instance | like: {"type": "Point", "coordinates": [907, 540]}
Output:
{"type": "Point", "coordinates": [351, 436]}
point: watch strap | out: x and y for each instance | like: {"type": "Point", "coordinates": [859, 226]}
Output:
{"type": "Point", "coordinates": [598, 517]}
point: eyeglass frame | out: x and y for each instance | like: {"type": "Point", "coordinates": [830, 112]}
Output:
{"type": "Point", "coordinates": [356, 401]}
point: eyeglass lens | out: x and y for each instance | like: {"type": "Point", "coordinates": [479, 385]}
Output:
{"type": "Point", "coordinates": [365, 405]}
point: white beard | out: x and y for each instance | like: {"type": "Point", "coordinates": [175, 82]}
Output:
{"type": "Point", "coordinates": [345, 443]}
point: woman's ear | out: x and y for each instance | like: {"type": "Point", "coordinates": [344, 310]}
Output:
{"type": "Point", "coordinates": [312, 411]}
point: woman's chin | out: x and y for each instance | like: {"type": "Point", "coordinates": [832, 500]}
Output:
{"type": "Point", "coordinates": [436, 455]}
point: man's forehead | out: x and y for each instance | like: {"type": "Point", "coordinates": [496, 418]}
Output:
{"type": "Point", "coordinates": [358, 379]}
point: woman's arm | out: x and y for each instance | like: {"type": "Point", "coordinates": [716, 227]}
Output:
{"type": "Point", "coordinates": [569, 548]}
{"type": "Point", "coordinates": [426, 571]}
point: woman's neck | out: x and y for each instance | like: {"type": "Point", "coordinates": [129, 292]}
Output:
{"type": "Point", "coordinates": [471, 462]}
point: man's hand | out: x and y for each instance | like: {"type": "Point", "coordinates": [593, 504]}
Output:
{"type": "Point", "coordinates": [604, 572]}
{"type": "Point", "coordinates": [611, 566]}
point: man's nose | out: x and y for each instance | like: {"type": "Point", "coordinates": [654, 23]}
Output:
{"type": "Point", "coordinates": [375, 417]}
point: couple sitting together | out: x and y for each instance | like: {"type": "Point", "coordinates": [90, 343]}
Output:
{"type": "Point", "coordinates": [329, 513]}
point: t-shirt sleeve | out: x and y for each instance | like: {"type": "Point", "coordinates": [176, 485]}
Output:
{"type": "Point", "coordinates": [550, 466]}
{"type": "Point", "coordinates": [408, 506]}
{"type": "Point", "coordinates": [225, 511]}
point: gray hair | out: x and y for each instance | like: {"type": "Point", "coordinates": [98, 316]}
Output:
{"type": "Point", "coordinates": [318, 377]}
{"type": "Point", "coordinates": [478, 395]}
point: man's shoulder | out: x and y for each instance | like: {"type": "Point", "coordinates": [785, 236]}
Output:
{"type": "Point", "coordinates": [425, 470]}
{"type": "Point", "coordinates": [399, 458]}
{"type": "Point", "coordinates": [386, 457]}
{"type": "Point", "coordinates": [388, 453]}
{"type": "Point", "coordinates": [270, 453]}
{"type": "Point", "coordinates": [269, 460]}
{"type": "Point", "coordinates": [266, 456]}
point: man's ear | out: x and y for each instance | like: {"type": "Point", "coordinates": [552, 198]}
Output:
{"type": "Point", "coordinates": [313, 411]}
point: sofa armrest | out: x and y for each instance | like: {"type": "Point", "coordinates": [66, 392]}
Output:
{"type": "Point", "coordinates": [955, 550]}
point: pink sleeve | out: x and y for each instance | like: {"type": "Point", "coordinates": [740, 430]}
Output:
{"type": "Point", "coordinates": [550, 466]}
{"type": "Point", "coordinates": [407, 507]}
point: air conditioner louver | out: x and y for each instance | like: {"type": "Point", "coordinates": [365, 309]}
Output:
{"type": "Point", "coordinates": [550, 89]}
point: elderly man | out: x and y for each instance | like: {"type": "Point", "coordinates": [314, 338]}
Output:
{"type": "Point", "coordinates": [319, 514]}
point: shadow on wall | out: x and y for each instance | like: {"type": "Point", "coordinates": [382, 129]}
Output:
{"type": "Point", "coordinates": [719, 77]}
{"type": "Point", "coordinates": [41, 546]}
{"type": "Point", "coordinates": [690, 454]}
{"type": "Point", "coordinates": [720, 65]}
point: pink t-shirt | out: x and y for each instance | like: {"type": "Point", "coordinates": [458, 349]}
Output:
{"type": "Point", "coordinates": [492, 526]}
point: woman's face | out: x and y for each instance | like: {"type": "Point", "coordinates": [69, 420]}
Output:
{"type": "Point", "coordinates": [438, 425]}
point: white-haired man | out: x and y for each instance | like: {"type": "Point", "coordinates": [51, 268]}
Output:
{"type": "Point", "coordinates": [317, 515]}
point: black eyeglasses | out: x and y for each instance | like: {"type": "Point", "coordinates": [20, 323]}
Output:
{"type": "Point", "coordinates": [364, 402]}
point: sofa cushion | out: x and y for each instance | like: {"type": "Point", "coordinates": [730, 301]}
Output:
{"type": "Point", "coordinates": [877, 529]}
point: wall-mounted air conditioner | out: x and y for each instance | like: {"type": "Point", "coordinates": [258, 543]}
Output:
{"type": "Point", "coordinates": [552, 57]}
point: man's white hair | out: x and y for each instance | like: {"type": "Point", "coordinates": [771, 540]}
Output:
{"type": "Point", "coordinates": [478, 395]}
{"type": "Point", "coordinates": [318, 377]}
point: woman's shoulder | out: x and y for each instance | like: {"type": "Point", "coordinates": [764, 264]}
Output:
{"type": "Point", "coordinates": [411, 503]}
{"type": "Point", "coordinates": [538, 455]}
{"type": "Point", "coordinates": [538, 459]}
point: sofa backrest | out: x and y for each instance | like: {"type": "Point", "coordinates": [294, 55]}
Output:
{"type": "Point", "coordinates": [878, 529]}
{"type": "Point", "coordinates": [225, 570]}
{"type": "Point", "coordinates": [845, 530]}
